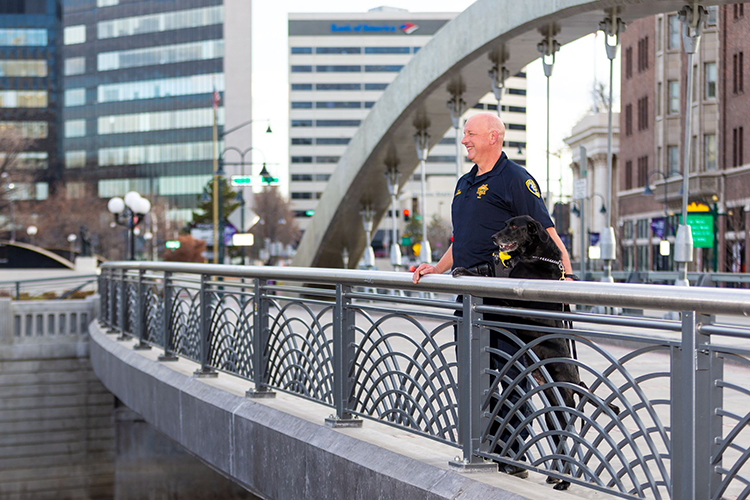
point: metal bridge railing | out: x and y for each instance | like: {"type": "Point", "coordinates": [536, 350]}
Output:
{"type": "Point", "coordinates": [638, 407]}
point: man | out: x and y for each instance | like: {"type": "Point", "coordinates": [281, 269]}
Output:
{"type": "Point", "coordinates": [495, 190]}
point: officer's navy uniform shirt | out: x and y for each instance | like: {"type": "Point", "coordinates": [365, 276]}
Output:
{"type": "Point", "coordinates": [482, 204]}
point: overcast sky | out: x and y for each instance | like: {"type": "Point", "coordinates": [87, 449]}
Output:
{"type": "Point", "coordinates": [570, 84]}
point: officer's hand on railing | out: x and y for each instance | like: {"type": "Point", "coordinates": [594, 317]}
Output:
{"type": "Point", "coordinates": [423, 269]}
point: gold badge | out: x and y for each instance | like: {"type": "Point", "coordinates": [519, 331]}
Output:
{"type": "Point", "coordinates": [458, 191]}
{"type": "Point", "coordinates": [482, 190]}
{"type": "Point", "coordinates": [533, 188]}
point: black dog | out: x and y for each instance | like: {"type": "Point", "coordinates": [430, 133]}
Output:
{"type": "Point", "coordinates": [527, 251]}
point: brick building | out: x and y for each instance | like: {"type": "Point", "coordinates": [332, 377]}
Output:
{"type": "Point", "coordinates": [652, 125]}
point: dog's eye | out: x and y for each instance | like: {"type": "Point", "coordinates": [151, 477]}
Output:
{"type": "Point", "coordinates": [513, 226]}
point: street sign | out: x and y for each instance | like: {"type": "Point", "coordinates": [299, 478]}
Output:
{"type": "Point", "coordinates": [172, 244]}
{"type": "Point", "coordinates": [579, 189]}
{"type": "Point", "coordinates": [702, 227]}
{"type": "Point", "coordinates": [243, 239]}
{"type": "Point", "coordinates": [205, 232]}
{"type": "Point", "coordinates": [241, 180]}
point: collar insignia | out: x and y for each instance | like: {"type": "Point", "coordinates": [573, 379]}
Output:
{"type": "Point", "coordinates": [533, 188]}
{"type": "Point", "coordinates": [482, 190]}
{"type": "Point", "coordinates": [458, 191]}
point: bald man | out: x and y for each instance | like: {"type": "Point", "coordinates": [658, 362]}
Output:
{"type": "Point", "coordinates": [495, 190]}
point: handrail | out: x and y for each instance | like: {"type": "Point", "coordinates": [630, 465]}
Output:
{"type": "Point", "coordinates": [630, 295]}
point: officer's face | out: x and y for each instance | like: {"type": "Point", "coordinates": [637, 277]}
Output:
{"type": "Point", "coordinates": [476, 139]}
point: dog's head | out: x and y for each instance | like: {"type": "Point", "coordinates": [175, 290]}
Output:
{"type": "Point", "coordinates": [520, 235]}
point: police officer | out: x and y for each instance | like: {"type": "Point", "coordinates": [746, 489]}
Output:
{"type": "Point", "coordinates": [495, 190]}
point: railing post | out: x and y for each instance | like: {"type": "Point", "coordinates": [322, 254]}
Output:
{"type": "Point", "coordinates": [691, 416]}
{"type": "Point", "coordinates": [112, 301]}
{"type": "Point", "coordinates": [123, 304]}
{"type": "Point", "coordinates": [343, 353]}
{"type": "Point", "coordinates": [18, 290]}
{"type": "Point", "coordinates": [473, 380]}
{"type": "Point", "coordinates": [205, 330]}
{"type": "Point", "coordinates": [168, 355]}
{"type": "Point", "coordinates": [141, 308]}
{"type": "Point", "coordinates": [260, 340]}
{"type": "Point", "coordinates": [714, 426]}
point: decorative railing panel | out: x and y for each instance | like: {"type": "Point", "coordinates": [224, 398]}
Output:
{"type": "Point", "coordinates": [640, 407]}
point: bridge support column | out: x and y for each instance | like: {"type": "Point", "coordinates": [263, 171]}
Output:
{"type": "Point", "coordinates": [343, 356]}
{"type": "Point", "coordinates": [260, 340]}
{"type": "Point", "coordinates": [473, 361]}
{"type": "Point", "coordinates": [498, 74]}
{"type": "Point", "coordinates": [457, 106]}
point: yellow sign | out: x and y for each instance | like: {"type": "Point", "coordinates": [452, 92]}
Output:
{"type": "Point", "coordinates": [416, 247]}
{"type": "Point", "coordinates": [698, 207]}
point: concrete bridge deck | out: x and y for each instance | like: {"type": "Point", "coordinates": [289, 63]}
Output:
{"type": "Point", "coordinates": [280, 448]}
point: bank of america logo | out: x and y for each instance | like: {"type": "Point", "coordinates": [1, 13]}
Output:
{"type": "Point", "coordinates": [409, 28]}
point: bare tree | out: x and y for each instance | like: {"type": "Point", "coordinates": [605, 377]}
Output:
{"type": "Point", "coordinates": [600, 96]}
{"type": "Point", "coordinates": [12, 144]}
{"type": "Point", "coordinates": [439, 235]}
{"type": "Point", "coordinates": [276, 219]}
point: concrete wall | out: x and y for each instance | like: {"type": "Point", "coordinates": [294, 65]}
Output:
{"type": "Point", "coordinates": [56, 429]}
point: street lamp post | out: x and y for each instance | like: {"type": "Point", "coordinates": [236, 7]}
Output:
{"type": "Point", "coordinates": [585, 242]}
{"type": "Point", "coordinates": [31, 231]}
{"type": "Point", "coordinates": [129, 212]}
{"type": "Point", "coordinates": [663, 244]}
{"type": "Point", "coordinates": [240, 196]}
{"type": "Point", "coordinates": [422, 138]}
{"type": "Point", "coordinates": [391, 175]}
{"type": "Point", "coordinates": [72, 239]}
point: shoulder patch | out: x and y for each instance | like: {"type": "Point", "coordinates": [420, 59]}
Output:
{"type": "Point", "coordinates": [533, 188]}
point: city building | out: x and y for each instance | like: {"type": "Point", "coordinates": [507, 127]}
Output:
{"type": "Point", "coordinates": [339, 65]}
{"type": "Point", "coordinates": [30, 87]}
{"type": "Point", "coordinates": [140, 77]}
{"type": "Point", "coordinates": [652, 126]}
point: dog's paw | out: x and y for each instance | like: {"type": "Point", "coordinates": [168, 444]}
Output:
{"type": "Point", "coordinates": [561, 486]}
{"type": "Point", "coordinates": [460, 271]}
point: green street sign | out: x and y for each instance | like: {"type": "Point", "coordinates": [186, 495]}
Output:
{"type": "Point", "coordinates": [309, 213]}
{"type": "Point", "coordinates": [702, 227]}
{"type": "Point", "coordinates": [271, 181]}
{"type": "Point", "coordinates": [406, 241]}
{"type": "Point", "coordinates": [241, 180]}
{"type": "Point", "coordinates": [172, 244]}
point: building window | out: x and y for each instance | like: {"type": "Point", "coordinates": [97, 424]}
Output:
{"type": "Point", "coordinates": [337, 123]}
{"type": "Point", "coordinates": [75, 66]}
{"type": "Point", "coordinates": [674, 96]}
{"type": "Point", "coordinates": [642, 171]}
{"type": "Point", "coordinates": [628, 174]}
{"type": "Point", "coordinates": [338, 105]}
{"type": "Point", "coordinates": [642, 54]}
{"type": "Point", "coordinates": [23, 37]}
{"type": "Point", "coordinates": [107, 3]}
{"type": "Point", "coordinates": [516, 91]}
{"type": "Point", "coordinates": [166, 21]}
{"type": "Point", "coordinates": [332, 141]}
{"type": "Point", "coordinates": [302, 196]}
{"type": "Point", "coordinates": [695, 83]}
{"type": "Point", "coordinates": [673, 161]}
{"type": "Point", "coordinates": [23, 67]}
{"type": "Point", "coordinates": [75, 128]}
{"type": "Point", "coordinates": [159, 153]}
{"type": "Point", "coordinates": [163, 120]}
{"type": "Point", "coordinates": [301, 141]}
{"type": "Point", "coordinates": [158, 56]}
{"type": "Point", "coordinates": [73, 35]}
{"type": "Point", "coordinates": [338, 69]}
{"type": "Point", "coordinates": [164, 87]}
{"type": "Point", "coordinates": [629, 63]}
{"type": "Point", "coordinates": [302, 159]}
{"type": "Point", "coordinates": [383, 68]}
{"type": "Point", "coordinates": [302, 105]}
{"type": "Point", "coordinates": [301, 50]}
{"type": "Point", "coordinates": [23, 99]}
{"type": "Point", "coordinates": [75, 159]}
{"type": "Point", "coordinates": [27, 130]}
{"type": "Point", "coordinates": [737, 147]}
{"type": "Point", "coordinates": [659, 24]}
{"type": "Point", "coordinates": [710, 77]}
{"type": "Point", "coordinates": [338, 86]}
{"type": "Point", "coordinates": [301, 69]}
{"type": "Point", "coordinates": [658, 99]}
{"type": "Point", "coordinates": [629, 120]}
{"type": "Point", "coordinates": [739, 10]}
{"type": "Point", "coordinates": [376, 86]}
{"type": "Point", "coordinates": [75, 97]}
{"type": "Point", "coordinates": [302, 86]}
{"type": "Point", "coordinates": [516, 126]}
{"type": "Point", "coordinates": [712, 13]}
{"type": "Point", "coordinates": [302, 123]}
{"type": "Point", "coordinates": [338, 50]}
{"type": "Point", "coordinates": [327, 159]}
{"type": "Point", "coordinates": [643, 114]}
{"type": "Point", "coordinates": [709, 152]}
{"type": "Point", "coordinates": [738, 63]}
{"type": "Point", "coordinates": [673, 42]}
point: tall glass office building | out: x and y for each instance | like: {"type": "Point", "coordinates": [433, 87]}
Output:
{"type": "Point", "coordinates": [139, 82]}
{"type": "Point", "coordinates": [29, 92]}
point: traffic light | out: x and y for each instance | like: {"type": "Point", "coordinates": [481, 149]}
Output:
{"type": "Point", "coordinates": [406, 215]}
